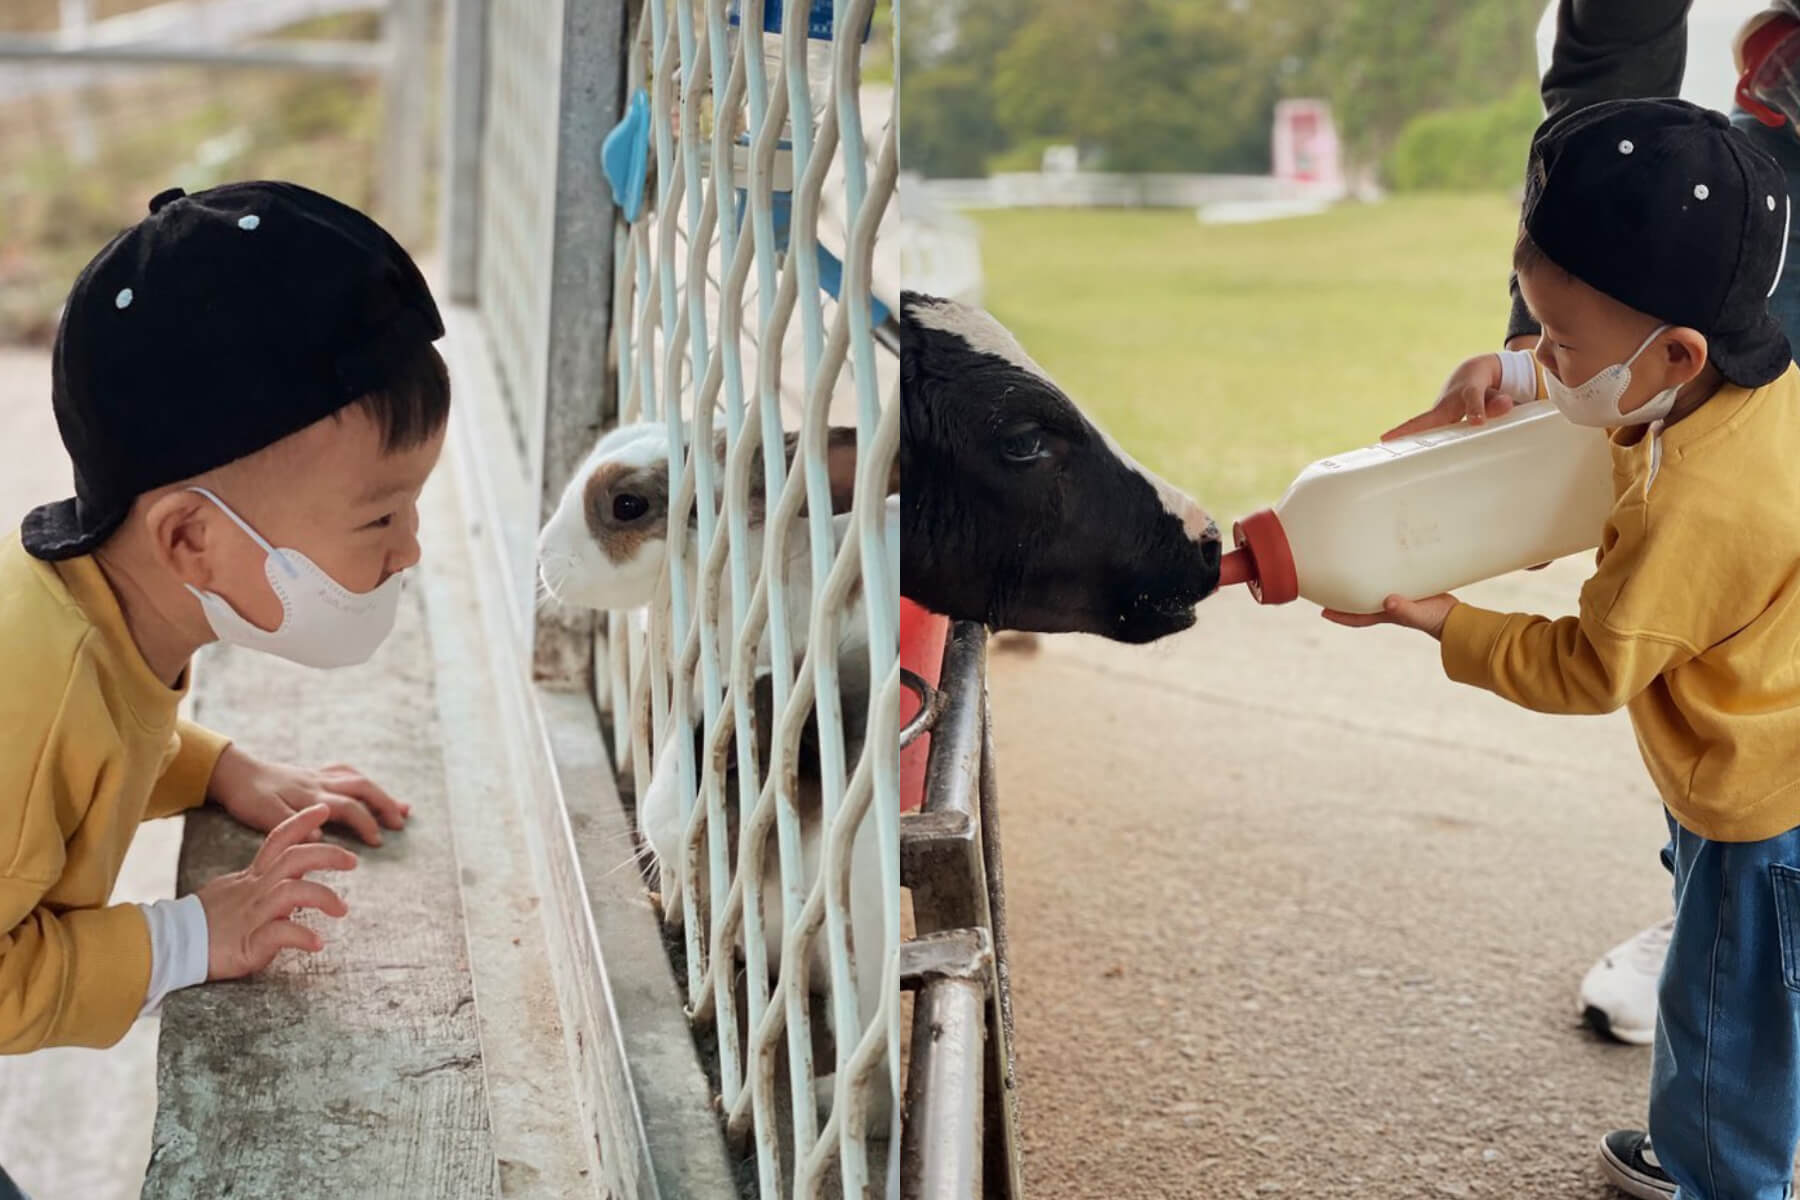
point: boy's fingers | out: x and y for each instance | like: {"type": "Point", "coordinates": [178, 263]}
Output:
{"type": "Point", "coordinates": [291, 832]}
{"type": "Point", "coordinates": [391, 812]}
{"type": "Point", "coordinates": [300, 860]}
{"type": "Point", "coordinates": [1353, 620]}
{"type": "Point", "coordinates": [1474, 405]}
{"type": "Point", "coordinates": [346, 811]}
{"type": "Point", "coordinates": [292, 894]}
{"type": "Point", "coordinates": [1403, 611]}
{"type": "Point", "coordinates": [276, 936]}
{"type": "Point", "coordinates": [1433, 418]}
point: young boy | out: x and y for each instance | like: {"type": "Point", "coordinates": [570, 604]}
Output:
{"type": "Point", "coordinates": [1652, 235]}
{"type": "Point", "coordinates": [246, 384]}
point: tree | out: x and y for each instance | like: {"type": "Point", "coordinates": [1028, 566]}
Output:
{"type": "Point", "coordinates": [944, 92]}
{"type": "Point", "coordinates": [1180, 85]}
{"type": "Point", "coordinates": [1392, 60]}
{"type": "Point", "coordinates": [1145, 85]}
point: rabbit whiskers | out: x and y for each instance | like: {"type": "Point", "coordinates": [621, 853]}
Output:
{"type": "Point", "coordinates": [546, 595]}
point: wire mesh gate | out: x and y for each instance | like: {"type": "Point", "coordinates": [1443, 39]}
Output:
{"type": "Point", "coordinates": [762, 683]}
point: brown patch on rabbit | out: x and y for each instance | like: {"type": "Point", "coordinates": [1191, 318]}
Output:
{"type": "Point", "coordinates": [840, 465]}
{"type": "Point", "coordinates": [625, 507]}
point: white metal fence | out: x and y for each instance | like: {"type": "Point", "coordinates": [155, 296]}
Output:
{"type": "Point", "coordinates": [720, 334]}
{"type": "Point", "coordinates": [517, 200]}
{"type": "Point", "coordinates": [225, 34]}
{"type": "Point", "coordinates": [1092, 189]}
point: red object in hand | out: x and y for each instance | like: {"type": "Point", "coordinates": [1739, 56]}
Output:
{"type": "Point", "coordinates": [1766, 62]}
{"type": "Point", "coordinates": [1263, 559]}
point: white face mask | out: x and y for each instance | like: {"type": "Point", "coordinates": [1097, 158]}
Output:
{"type": "Point", "coordinates": [322, 624]}
{"type": "Point", "coordinates": [1596, 402]}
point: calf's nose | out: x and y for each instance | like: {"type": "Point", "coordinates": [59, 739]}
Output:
{"type": "Point", "coordinates": [1211, 548]}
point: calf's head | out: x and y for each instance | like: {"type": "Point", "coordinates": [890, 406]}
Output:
{"type": "Point", "coordinates": [1017, 511]}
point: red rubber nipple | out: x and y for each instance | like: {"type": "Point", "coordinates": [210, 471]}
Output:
{"type": "Point", "coordinates": [1263, 558]}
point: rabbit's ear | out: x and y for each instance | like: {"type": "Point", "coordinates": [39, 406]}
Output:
{"type": "Point", "coordinates": [840, 464]}
{"type": "Point", "coordinates": [840, 461]}
{"type": "Point", "coordinates": [763, 718]}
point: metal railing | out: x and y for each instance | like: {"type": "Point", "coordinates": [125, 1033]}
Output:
{"type": "Point", "coordinates": [961, 1135]}
{"type": "Point", "coordinates": [213, 33]}
{"type": "Point", "coordinates": [722, 331]}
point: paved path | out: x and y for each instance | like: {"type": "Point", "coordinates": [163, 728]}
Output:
{"type": "Point", "coordinates": [1293, 915]}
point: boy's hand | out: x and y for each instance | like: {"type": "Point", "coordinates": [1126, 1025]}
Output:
{"type": "Point", "coordinates": [1472, 393]}
{"type": "Point", "coordinates": [1427, 615]}
{"type": "Point", "coordinates": [248, 912]}
{"type": "Point", "coordinates": [263, 795]}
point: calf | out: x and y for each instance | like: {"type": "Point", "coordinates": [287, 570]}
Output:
{"type": "Point", "coordinates": [1016, 511]}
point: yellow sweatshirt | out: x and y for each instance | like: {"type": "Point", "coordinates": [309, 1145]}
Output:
{"type": "Point", "coordinates": [1691, 620]}
{"type": "Point", "coordinates": [90, 746]}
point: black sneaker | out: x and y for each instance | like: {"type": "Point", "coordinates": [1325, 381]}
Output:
{"type": "Point", "coordinates": [1630, 1165]}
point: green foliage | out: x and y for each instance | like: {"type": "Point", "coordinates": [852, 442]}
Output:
{"type": "Point", "coordinates": [185, 127]}
{"type": "Point", "coordinates": [1147, 85]}
{"type": "Point", "coordinates": [1392, 60]}
{"type": "Point", "coordinates": [1174, 85]}
{"type": "Point", "coordinates": [1025, 156]}
{"type": "Point", "coordinates": [945, 91]}
{"type": "Point", "coordinates": [1467, 149]}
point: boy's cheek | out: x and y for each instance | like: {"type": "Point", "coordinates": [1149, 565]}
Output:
{"type": "Point", "coordinates": [366, 571]}
{"type": "Point", "coordinates": [255, 601]}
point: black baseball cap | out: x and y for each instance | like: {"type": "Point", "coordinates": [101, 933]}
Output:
{"type": "Point", "coordinates": [218, 325]}
{"type": "Point", "coordinates": [1663, 206]}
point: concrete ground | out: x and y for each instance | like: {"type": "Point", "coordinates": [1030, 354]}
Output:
{"type": "Point", "coordinates": [74, 1123]}
{"type": "Point", "coordinates": [1293, 915]}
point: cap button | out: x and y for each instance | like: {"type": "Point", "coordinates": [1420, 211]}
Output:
{"type": "Point", "coordinates": [162, 199]}
{"type": "Point", "coordinates": [1718, 119]}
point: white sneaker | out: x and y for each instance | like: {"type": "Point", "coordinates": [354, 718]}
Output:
{"type": "Point", "coordinates": [1618, 997]}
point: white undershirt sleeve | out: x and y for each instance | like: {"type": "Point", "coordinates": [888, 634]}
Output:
{"type": "Point", "coordinates": [177, 947]}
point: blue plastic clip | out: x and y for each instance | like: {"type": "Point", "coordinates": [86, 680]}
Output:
{"type": "Point", "coordinates": [831, 280]}
{"type": "Point", "coordinates": [625, 156]}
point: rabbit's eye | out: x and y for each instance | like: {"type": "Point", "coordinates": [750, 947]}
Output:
{"type": "Point", "coordinates": [627, 507]}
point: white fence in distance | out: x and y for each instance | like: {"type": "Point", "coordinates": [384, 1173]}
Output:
{"type": "Point", "coordinates": [1083, 189]}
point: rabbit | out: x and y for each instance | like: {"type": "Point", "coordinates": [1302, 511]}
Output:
{"type": "Point", "coordinates": [661, 823]}
{"type": "Point", "coordinates": [605, 545]}
{"type": "Point", "coordinates": [604, 548]}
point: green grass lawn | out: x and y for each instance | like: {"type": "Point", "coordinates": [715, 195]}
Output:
{"type": "Point", "coordinates": [1228, 357]}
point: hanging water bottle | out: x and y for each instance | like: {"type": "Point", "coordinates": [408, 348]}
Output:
{"type": "Point", "coordinates": [819, 54]}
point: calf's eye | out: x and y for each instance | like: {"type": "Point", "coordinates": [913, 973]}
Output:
{"type": "Point", "coordinates": [1025, 446]}
{"type": "Point", "coordinates": [627, 507]}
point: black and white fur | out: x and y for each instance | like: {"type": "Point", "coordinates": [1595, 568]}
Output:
{"type": "Point", "coordinates": [1017, 511]}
